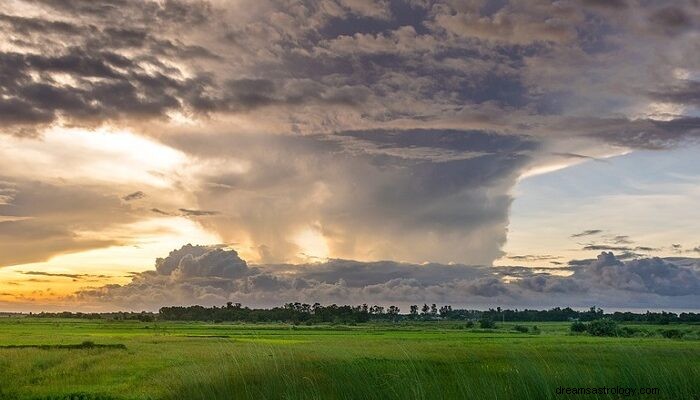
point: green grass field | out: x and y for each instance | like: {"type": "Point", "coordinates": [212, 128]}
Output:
{"type": "Point", "coordinates": [373, 361]}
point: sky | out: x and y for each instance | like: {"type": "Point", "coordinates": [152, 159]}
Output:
{"type": "Point", "coordinates": [473, 153]}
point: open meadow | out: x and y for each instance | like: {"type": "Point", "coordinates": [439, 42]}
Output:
{"type": "Point", "coordinates": [68, 359]}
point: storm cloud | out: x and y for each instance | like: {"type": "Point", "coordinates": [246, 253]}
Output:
{"type": "Point", "coordinates": [214, 275]}
{"type": "Point", "coordinates": [390, 130]}
{"type": "Point", "coordinates": [342, 65]}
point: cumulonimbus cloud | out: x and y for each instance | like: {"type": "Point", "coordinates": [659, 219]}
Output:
{"type": "Point", "coordinates": [382, 130]}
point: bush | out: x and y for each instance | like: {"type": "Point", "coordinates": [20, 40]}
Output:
{"type": "Point", "coordinates": [467, 325]}
{"type": "Point", "coordinates": [603, 327]}
{"type": "Point", "coordinates": [578, 327]}
{"type": "Point", "coordinates": [672, 333]}
{"type": "Point", "coordinates": [521, 329]}
{"type": "Point", "coordinates": [486, 323]}
{"type": "Point", "coordinates": [535, 330]}
{"type": "Point", "coordinates": [631, 331]}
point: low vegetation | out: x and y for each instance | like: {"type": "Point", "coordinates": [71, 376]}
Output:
{"type": "Point", "coordinates": [47, 358]}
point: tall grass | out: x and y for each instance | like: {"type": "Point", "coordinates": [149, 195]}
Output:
{"type": "Point", "coordinates": [527, 372]}
{"type": "Point", "coordinates": [415, 361]}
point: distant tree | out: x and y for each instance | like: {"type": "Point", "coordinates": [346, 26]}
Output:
{"type": "Point", "coordinates": [376, 310]}
{"type": "Point", "coordinates": [316, 313]}
{"type": "Point", "coordinates": [433, 310]}
{"type": "Point", "coordinates": [425, 309]}
{"type": "Point", "coordinates": [393, 313]}
{"type": "Point", "coordinates": [445, 311]}
{"type": "Point", "coordinates": [414, 311]}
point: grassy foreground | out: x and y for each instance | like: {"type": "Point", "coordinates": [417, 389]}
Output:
{"type": "Point", "coordinates": [45, 359]}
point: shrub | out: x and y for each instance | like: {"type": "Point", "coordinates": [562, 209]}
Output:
{"type": "Point", "coordinates": [603, 327]}
{"type": "Point", "coordinates": [486, 323]}
{"type": "Point", "coordinates": [469, 324]}
{"type": "Point", "coordinates": [672, 333]}
{"type": "Point", "coordinates": [521, 329]}
{"type": "Point", "coordinates": [631, 331]}
{"type": "Point", "coordinates": [578, 327]}
{"type": "Point", "coordinates": [535, 330]}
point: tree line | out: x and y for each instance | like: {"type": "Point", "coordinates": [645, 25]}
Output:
{"type": "Point", "coordinates": [317, 313]}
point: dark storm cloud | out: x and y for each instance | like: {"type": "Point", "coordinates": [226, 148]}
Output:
{"type": "Point", "coordinates": [579, 263]}
{"type": "Point", "coordinates": [31, 25]}
{"type": "Point", "coordinates": [200, 261]}
{"type": "Point", "coordinates": [171, 11]}
{"type": "Point", "coordinates": [546, 284]}
{"type": "Point", "coordinates": [249, 94]}
{"type": "Point", "coordinates": [447, 139]}
{"type": "Point", "coordinates": [332, 65]}
{"type": "Point", "coordinates": [641, 133]}
{"type": "Point", "coordinates": [114, 71]}
{"type": "Point", "coordinates": [671, 19]}
{"type": "Point", "coordinates": [365, 198]}
{"type": "Point", "coordinates": [645, 275]}
{"type": "Point", "coordinates": [684, 93]}
{"type": "Point", "coordinates": [391, 130]}
{"type": "Point", "coordinates": [613, 4]}
{"type": "Point", "coordinates": [114, 94]}
{"type": "Point", "coordinates": [213, 275]}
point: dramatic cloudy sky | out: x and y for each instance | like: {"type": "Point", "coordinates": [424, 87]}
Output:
{"type": "Point", "coordinates": [481, 153]}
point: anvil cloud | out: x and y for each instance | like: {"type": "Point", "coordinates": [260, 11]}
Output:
{"type": "Point", "coordinates": [295, 131]}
